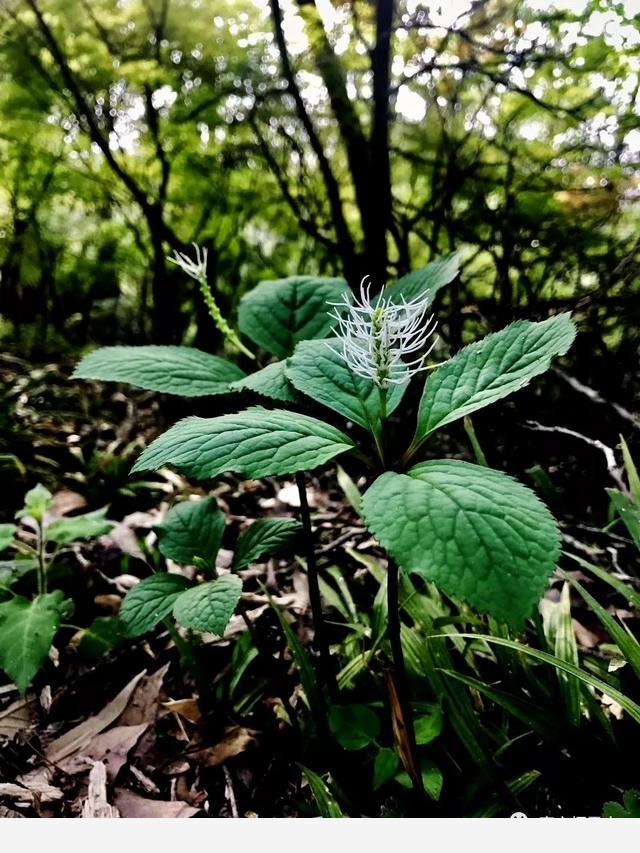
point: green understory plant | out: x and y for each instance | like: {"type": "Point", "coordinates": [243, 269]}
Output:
{"type": "Point", "coordinates": [28, 625]}
{"type": "Point", "coordinates": [478, 534]}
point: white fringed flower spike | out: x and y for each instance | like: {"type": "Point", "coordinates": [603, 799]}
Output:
{"type": "Point", "coordinates": [374, 336]}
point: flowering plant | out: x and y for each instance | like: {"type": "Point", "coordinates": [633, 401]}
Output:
{"type": "Point", "coordinates": [478, 534]}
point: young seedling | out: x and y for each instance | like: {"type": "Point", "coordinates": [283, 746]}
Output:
{"type": "Point", "coordinates": [29, 625]}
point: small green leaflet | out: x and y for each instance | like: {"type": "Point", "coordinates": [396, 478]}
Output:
{"type": "Point", "coordinates": [7, 532]}
{"type": "Point", "coordinates": [385, 766]}
{"type": "Point", "coordinates": [428, 279]}
{"type": "Point", "coordinates": [191, 529]}
{"type": "Point", "coordinates": [255, 443]}
{"type": "Point", "coordinates": [278, 314]}
{"type": "Point", "coordinates": [266, 536]}
{"type": "Point", "coordinates": [271, 382]}
{"type": "Point", "coordinates": [354, 726]}
{"type": "Point", "coordinates": [490, 369]}
{"type": "Point", "coordinates": [317, 369]}
{"type": "Point", "coordinates": [150, 601]}
{"type": "Point", "coordinates": [476, 533]}
{"type": "Point", "coordinates": [432, 778]}
{"type": "Point", "coordinates": [184, 371]}
{"type": "Point", "coordinates": [209, 606]}
{"type": "Point", "coordinates": [37, 502]}
{"type": "Point", "coordinates": [27, 629]}
{"type": "Point", "coordinates": [87, 526]}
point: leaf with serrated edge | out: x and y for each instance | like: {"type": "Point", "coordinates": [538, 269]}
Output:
{"type": "Point", "coordinates": [491, 369]}
{"type": "Point", "coordinates": [271, 382]}
{"type": "Point", "coordinates": [191, 529]}
{"type": "Point", "coordinates": [476, 533]}
{"type": "Point", "coordinates": [209, 607]}
{"type": "Point", "coordinates": [266, 536]}
{"type": "Point", "coordinates": [150, 601]}
{"type": "Point", "coordinates": [27, 629]}
{"type": "Point", "coordinates": [278, 314]}
{"type": "Point", "coordinates": [317, 369]}
{"type": "Point", "coordinates": [255, 443]}
{"type": "Point", "coordinates": [428, 279]}
{"type": "Point", "coordinates": [184, 371]}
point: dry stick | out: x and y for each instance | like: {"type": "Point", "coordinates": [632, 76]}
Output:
{"type": "Point", "coordinates": [402, 713]}
{"type": "Point", "coordinates": [320, 637]}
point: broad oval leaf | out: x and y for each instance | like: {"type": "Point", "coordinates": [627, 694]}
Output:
{"type": "Point", "coordinates": [255, 443]}
{"type": "Point", "coordinates": [184, 371]}
{"type": "Point", "coordinates": [279, 314]}
{"type": "Point", "coordinates": [318, 370]}
{"type": "Point", "coordinates": [354, 726]}
{"type": "Point", "coordinates": [209, 606]}
{"type": "Point", "coordinates": [476, 533]}
{"type": "Point", "coordinates": [490, 369]}
{"type": "Point", "coordinates": [266, 536]}
{"type": "Point", "coordinates": [191, 529]}
{"type": "Point", "coordinates": [150, 601]}
{"type": "Point", "coordinates": [271, 382]}
{"type": "Point", "coordinates": [87, 526]}
{"type": "Point", "coordinates": [426, 280]}
{"type": "Point", "coordinates": [27, 629]}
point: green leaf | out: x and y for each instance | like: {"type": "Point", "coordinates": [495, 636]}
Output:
{"type": "Point", "coordinates": [191, 529]}
{"type": "Point", "coordinates": [37, 502]}
{"type": "Point", "coordinates": [254, 443]}
{"type": "Point", "coordinates": [325, 801]}
{"type": "Point", "coordinates": [27, 629]}
{"type": "Point", "coordinates": [184, 371]}
{"type": "Point", "coordinates": [428, 279]}
{"type": "Point", "coordinates": [631, 807]}
{"type": "Point", "coordinates": [490, 369]}
{"type": "Point", "coordinates": [7, 532]}
{"type": "Point", "coordinates": [354, 726]}
{"type": "Point", "coordinates": [317, 370]}
{"type": "Point", "coordinates": [632, 472]}
{"type": "Point", "coordinates": [150, 601]}
{"type": "Point", "coordinates": [104, 634]}
{"type": "Point", "coordinates": [264, 536]}
{"type": "Point", "coordinates": [428, 725]}
{"type": "Point", "coordinates": [278, 314]}
{"type": "Point", "coordinates": [476, 533]}
{"type": "Point", "coordinates": [384, 767]}
{"type": "Point", "coordinates": [628, 512]}
{"type": "Point", "coordinates": [12, 570]}
{"type": "Point", "coordinates": [209, 606]}
{"type": "Point", "coordinates": [271, 382]}
{"type": "Point", "coordinates": [87, 526]}
{"type": "Point", "coordinates": [431, 778]}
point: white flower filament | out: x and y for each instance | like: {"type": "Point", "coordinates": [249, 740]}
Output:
{"type": "Point", "coordinates": [376, 336]}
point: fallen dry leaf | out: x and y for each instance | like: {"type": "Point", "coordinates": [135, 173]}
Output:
{"type": "Point", "coordinates": [110, 748]}
{"type": "Point", "coordinates": [187, 708]}
{"type": "Point", "coordinates": [133, 805]}
{"type": "Point", "coordinates": [96, 804]}
{"type": "Point", "coordinates": [18, 716]}
{"type": "Point", "coordinates": [65, 501]}
{"type": "Point", "coordinates": [5, 812]}
{"type": "Point", "coordinates": [38, 783]}
{"type": "Point", "coordinates": [144, 704]}
{"type": "Point", "coordinates": [237, 739]}
{"type": "Point", "coordinates": [80, 736]}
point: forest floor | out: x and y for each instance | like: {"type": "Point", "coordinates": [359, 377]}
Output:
{"type": "Point", "coordinates": [112, 724]}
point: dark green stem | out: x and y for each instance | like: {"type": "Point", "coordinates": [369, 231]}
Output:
{"type": "Point", "coordinates": [42, 569]}
{"type": "Point", "coordinates": [320, 637]}
{"type": "Point", "coordinates": [399, 676]}
{"type": "Point", "coordinates": [190, 661]}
